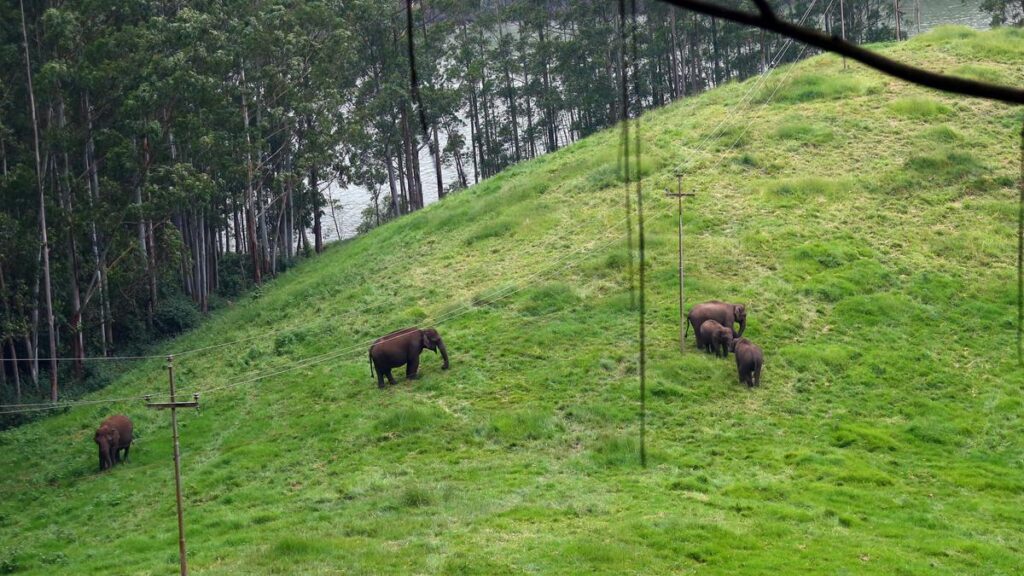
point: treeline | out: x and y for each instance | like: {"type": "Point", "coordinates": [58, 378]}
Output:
{"type": "Point", "coordinates": [159, 157]}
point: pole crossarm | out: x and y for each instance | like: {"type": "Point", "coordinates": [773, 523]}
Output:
{"type": "Point", "coordinates": [165, 405]}
{"type": "Point", "coordinates": [836, 44]}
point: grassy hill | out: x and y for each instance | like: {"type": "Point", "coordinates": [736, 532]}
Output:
{"type": "Point", "coordinates": [870, 228]}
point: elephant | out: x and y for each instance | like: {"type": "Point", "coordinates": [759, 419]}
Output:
{"type": "Point", "coordinates": [722, 312]}
{"type": "Point", "coordinates": [113, 435]}
{"type": "Point", "coordinates": [404, 347]}
{"type": "Point", "coordinates": [716, 338]}
{"type": "Point", "coordinates": [749, 360]}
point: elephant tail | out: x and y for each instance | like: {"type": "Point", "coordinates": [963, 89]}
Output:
{"type": "Point", "coordinates": [370, 354]}
{"type": "Point", "coordinates": [686, 331]}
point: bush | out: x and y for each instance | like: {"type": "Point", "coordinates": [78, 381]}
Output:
{"type": "Point", "coordinates": [174, 315]}
{"type": "Point", "coordinates": [232, 270]}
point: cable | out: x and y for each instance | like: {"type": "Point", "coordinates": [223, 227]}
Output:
{"type": "Point", "coordinates": [705, 142]}
{"type": "Point", "coordinates": [451, 315]}
{"type": "Point", "coordinates": [447, 317]}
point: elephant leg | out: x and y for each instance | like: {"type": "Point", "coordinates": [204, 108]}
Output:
{"type": "Point", "coordinates": [126, 448]}
{"type": "Point", "coordinates": [412, 368]}
{"type": "Point", "coordinates": [380, 378]}
{"type": "Point", "coordinates": [391, 379]}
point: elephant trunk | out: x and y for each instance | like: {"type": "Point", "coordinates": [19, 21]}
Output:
{"type": "Point", "coordinates": [104, 457]}
{"type": "Point", "coordinates": [444, 354]}
{"type": "Point", "coordinates": [743, 326]}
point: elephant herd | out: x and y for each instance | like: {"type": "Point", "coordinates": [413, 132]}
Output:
{"type": "Point", "coordinates": [712, 325]}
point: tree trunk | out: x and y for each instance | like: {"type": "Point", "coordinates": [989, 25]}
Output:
{"type": "Point", "coordinates": [314, 188]}
{"type": "Point", "coordinates": [10, 341]}
{"type": "Point", "coordinates": [48, 290]}
{"type": "Point", "coordinates": [393, 209]}
{"type": "Point", "coordinates": [250, 216]}
{"type": "Point", "coordinates": [66, 204]}
{"type": "Point", "coordinates": [476, 145]}
{"type": "Point", "coordinates": [98, 260]}
{"type": "Point", "coordinates": [549, 121]}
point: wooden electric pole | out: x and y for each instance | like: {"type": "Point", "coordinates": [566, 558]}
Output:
{"type": "Point", "coordinates": [173, 406]}
{"type": "Point", "coordinates": [842, 27]}
{"type": "Point", "coordinates": [679, 194]}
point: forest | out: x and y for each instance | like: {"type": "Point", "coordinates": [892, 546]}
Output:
{"type": "Point", "coordinates": [159, 159]}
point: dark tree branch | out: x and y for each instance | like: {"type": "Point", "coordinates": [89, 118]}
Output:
{"type": "Point", "coordinates": [874, 60]}
{"type": "Point", "coordinates": [766, 10]}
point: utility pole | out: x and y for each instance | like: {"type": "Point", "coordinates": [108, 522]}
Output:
{"type": "Point", "coordinates": [842, 26]}
{"type": "Point", "coordinates": [898, 14]}
{"type": "Point", "coordinates": [173, 406]}
{"type": "Point", "coordinates": [679, 195]}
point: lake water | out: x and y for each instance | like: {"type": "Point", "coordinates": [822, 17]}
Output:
{"type": "Point", "coordinates": [342, 223]}
{"type": "Point", "coordinates": [937, 12]}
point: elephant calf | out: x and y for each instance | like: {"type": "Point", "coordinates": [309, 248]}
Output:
{"type": "Point", "coordinates": [716, 338]}
{"type": "Point", "coordinates": [749, 359]}
{"type": "Point", "coordinates": [404, 347]}
{"type": "Point", "coordinates": [113, 435]}
{"type": "Point", "coordinates": [724, 313]}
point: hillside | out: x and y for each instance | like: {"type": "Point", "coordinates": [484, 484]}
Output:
{"type": "Point", "coordinates": [870, 228]}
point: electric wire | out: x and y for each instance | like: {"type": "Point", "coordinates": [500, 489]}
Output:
{"type": "Point", "coordinates": [466, 308]}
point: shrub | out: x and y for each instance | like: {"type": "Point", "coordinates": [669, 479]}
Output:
{"type": "Point", "coordinates": [174, 315]}
{"type": "Point", "coordinates": [232, 270]}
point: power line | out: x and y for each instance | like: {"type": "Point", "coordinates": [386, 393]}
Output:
{"type": "Point", "coordinates": [459, 311]}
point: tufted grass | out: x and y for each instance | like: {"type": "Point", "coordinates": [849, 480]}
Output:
{"type": "Point", "coordinates": [873, 244]}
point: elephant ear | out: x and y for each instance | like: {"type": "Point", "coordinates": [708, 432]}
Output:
{"type": "Point", "coordinates": [425, 339]}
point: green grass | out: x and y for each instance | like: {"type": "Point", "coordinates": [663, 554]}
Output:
{"type": "Point", "coordinates": [919, 108]}
{"type": "Point", "coordinates": [873, 245]}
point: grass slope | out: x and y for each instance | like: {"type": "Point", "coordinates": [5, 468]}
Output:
{"type": "Point", "coordinates": [869, 226]}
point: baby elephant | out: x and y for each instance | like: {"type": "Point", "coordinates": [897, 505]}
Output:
{"type": "Point", "coordinates": [749, 359]}
{"type": "Point", "coordinates": [715, 338]}
{"type": "Point", "coordinates": [113, 435]}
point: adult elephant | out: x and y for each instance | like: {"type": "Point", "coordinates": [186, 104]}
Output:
{"type": "Point", "coordinates": [404, 347]}
{"type": "Point", "coordinates": [113, 435]}
{"type": "Point", "coordinates": [724, 313]}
